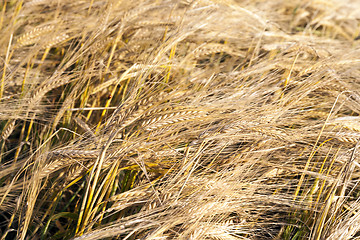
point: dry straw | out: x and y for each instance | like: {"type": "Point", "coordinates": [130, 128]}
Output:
{"type": "Point", "coordinates": [179, 119]}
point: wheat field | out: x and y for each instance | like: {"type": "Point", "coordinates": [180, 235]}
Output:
{"type": "Point", "coordinates": [180, 119]}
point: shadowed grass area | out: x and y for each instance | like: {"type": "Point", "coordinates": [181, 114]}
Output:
{"type": "Point", "coordinates": [179, 119]}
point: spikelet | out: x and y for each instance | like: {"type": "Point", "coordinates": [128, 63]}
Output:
{"type": "Point", "coordinates": [275, 172]}
{"type": "Point", "coordinates": [152, 205]}
{"type": "Point", "coordinates": [197, 234]}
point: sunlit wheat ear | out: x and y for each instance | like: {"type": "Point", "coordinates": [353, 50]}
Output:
{"type": "Point", "coordinates": [134, 13]}
{"type": "Point", "coordinates": [216, 231]}
{"type": "Point", "coordinates": [100, 44]}
{"type": "Point", "coordinates": [147, 23]}
{"type": "Point", "coordinates": [133, 72]}
{"type": "Point", "coordinates": [172, 118]}
{"type": "Point", "coordinates": [82, 154]}
{"type": "Point", "coordinates": [270, 132]}
{"type": "Point", "coordinates": [211, 48]}
{"type": "Point", "coordinates": [352, 137]}
{"type": "Point", "coordinates": [52, 167]}
{"type": "Point", "coordinates": [161, 200]}
{"type": "Point", "coordinates": [77, 171]}
{"type": "Point", "coordinates": [57, 40]}
{"type": "Point", "coordinates": [277, 134]}
{"type": "Point", "coordinates": [350, 122]}
{"type": "Point", "coordinates": [333, 86]}
{"type": "Point", "coordinates": [197, 234]}
{"type": "Point", "coordinates": [34, 3]}
{"type": "Point", "coordinates": [131, 112]}
{"type": "Point", "coordinates": [130, 195]}
{"type": "Point", "coordinates": [330, 64]}
{"type": "Point", "coordinates": [84, 126]}
{"type": "Point", "coordinates": [34, 35]}
{"type": "Point", "coordinates": [126, 199]}
{"type": "Point", "coordinates": [8, 129]}
{"type": "Point", "coordinates": [43, 89]}
{"type": "Point", "coordinates": [31, 197]}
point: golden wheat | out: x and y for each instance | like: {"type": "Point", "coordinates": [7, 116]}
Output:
{"type": "Point", "coordinates": [179, 119]}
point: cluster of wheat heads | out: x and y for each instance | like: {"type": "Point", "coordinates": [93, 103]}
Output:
{"type": "Point", "coordinates": [179, 119]}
